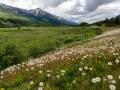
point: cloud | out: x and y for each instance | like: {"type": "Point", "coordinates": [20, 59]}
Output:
{"type": "Point", "coordinates": [88, 6]}
{"type": "Point", "coordinates": [106, 11]}
{"type": "Point", "coordinates": [92, 5]}
{"type": "Point", "coordinates": [32, 3]}
{"type": "Point", "coordinates": [48, 3]}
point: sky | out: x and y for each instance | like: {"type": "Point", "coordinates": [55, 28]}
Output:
{"type": "Point", "coordinates": [75, 10]}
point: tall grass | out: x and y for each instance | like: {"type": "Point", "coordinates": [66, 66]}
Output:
{"type": "Point", "coordinates": [91, 66]}
{"type": "Point", "coordinates": [20, 45]}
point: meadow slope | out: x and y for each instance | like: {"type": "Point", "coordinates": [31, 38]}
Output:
{"type": "Point", "coordinates": [93, 65]}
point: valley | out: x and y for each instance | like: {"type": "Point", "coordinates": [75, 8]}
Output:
{"type": "Point", "coordinates": [43, 51]}
{"type": "Point", "coordinates": [82, 63]}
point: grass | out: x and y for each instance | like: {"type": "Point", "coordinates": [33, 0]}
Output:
{"type": "Point", "coordinates": [105, 29]}
{"type": "Point", "coordinates": [91, 65]}
{"type": "Point", "coordinates": [20, 45]}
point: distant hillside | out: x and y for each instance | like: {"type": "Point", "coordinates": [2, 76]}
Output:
{"type": "Point", "coordinates": [12, 19]}
{"type": "Point", "coordinates": [6, 13]}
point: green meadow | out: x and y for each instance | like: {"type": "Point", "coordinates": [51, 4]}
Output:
{"type": "Point", "coordinates": [60, 58]}
{"type": "Point", "coordinates": [17, 45]}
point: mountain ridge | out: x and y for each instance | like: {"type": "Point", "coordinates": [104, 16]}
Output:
{"type": "Point", "coordinates": [39, 15]}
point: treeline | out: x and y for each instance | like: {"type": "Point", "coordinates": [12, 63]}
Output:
{"type": "Point", "coordinates": [15, 22]}
{"type": "Point", "coordinates": [108, 22]}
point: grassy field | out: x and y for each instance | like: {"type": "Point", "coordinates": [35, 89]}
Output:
{"type": "Point", "coordinates": [17, 46]}
{"type": "Point", "coordinates": [85, 64]}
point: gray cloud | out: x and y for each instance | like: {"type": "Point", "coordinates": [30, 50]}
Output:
{"type": "Point", "coordinates": [90, 6]}
{"type": "Point", "coordinates": [98, 15]}
{"type": "Point", "coordinates": [76, 9]}
{"type": "Point", "coordinates": [39, 3]}
{"type": "Point", "coordinates": [48, 3]}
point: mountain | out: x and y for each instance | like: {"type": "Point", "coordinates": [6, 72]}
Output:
{"type": "Point", "coordinates": [11, 19]}
{"type": "Point", "coordinates": [7, 13]}
{"type": "Point", "coordinates": [40, 15]}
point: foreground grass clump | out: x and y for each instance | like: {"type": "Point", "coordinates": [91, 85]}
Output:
{"type": "Point", "coordinates": [90, 66]}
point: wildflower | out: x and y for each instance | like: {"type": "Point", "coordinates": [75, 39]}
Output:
{"type": "Point", "coordinates": [83, 74]}
{"type": "Point", "coordinates": [32, 68]}
{"type": "Point", "coordinates": [114, 54]}
{"type": "Point", "coordinates": [104, 79]}
{"type": "Point", "coordinates": [119, 77]}
{"type": "Point", "coordinates": [84, 57]}
{"type": "Point", "coordinates": [48, 70]}
{"type": "Point", "coordinates": [58, 76]}
{"type": "Point", "coordinates": [2, 72]}
{"type": "Point", "coordinates": [41, 65]}
{"type": "Point", "coordinates": [81, 63]}
{"type": "Point", "coordinates": [48, 75]}
{"type": "Point", "coordinates": [62, 71]}
{"type": "Point", "coordinates": [110, 63]}
{"type": "Point", "coordinates": [40, 72]}
{"type": "Point", "coordinates": [1, 77]}
{"type": "Point", "coordinates": [117, 61]}
{"type": "Point", "coordinates": [40, 88]}
{"type": "Point", "coordinates": [91, 69]}
{"type": "Point", "coordinates": [73, 81]}
{"type": "Point", "coordinates": [112, 87]}
{"type": "Point", "coordinates": [94, 80]}
{"type": "Point", "coordinates": [98, 79]}
{"type": "Point", "coordinates": [86, 68]}
{"type": "Point", "coordinates": [17, 68]}
{"type": "Point", "coordinates": [41, 84]}
{"type": "Point", "coordinates": [31, 82]}
{"type": "Point", "coordinates": [22, 65]}
{"type": "Point", "coordinates": [113, 81]}
{"type": "Point", "coordinates": [26, 69]}
{"type": "Point", "coordinates": [110, 77]}
{"type": "Point", "coordinates": [80, 69]}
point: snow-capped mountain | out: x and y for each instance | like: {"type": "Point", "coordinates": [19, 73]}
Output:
{"type": "Point", "coordinates": [39, 14]}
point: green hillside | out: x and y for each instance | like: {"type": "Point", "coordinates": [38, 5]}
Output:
{"type": "Point", "coordinates": [11, 19]}
{"type": "Point", "coordinates": [4, 13]}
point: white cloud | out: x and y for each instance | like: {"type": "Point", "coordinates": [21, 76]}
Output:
{"type": "Point", "coordinates": [77, 10]}
{"type": "Point", "coordinates": [33, 3]}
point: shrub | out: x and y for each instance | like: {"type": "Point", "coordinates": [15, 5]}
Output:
{"type": "Point", "coordinates": [68, 39]}
{"type": "Point", "coordinates": [10, 55]}
{"type": "Point", "coordinates": [98, 31]}
{"type": "Point", "coordinates": [37, 49]}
